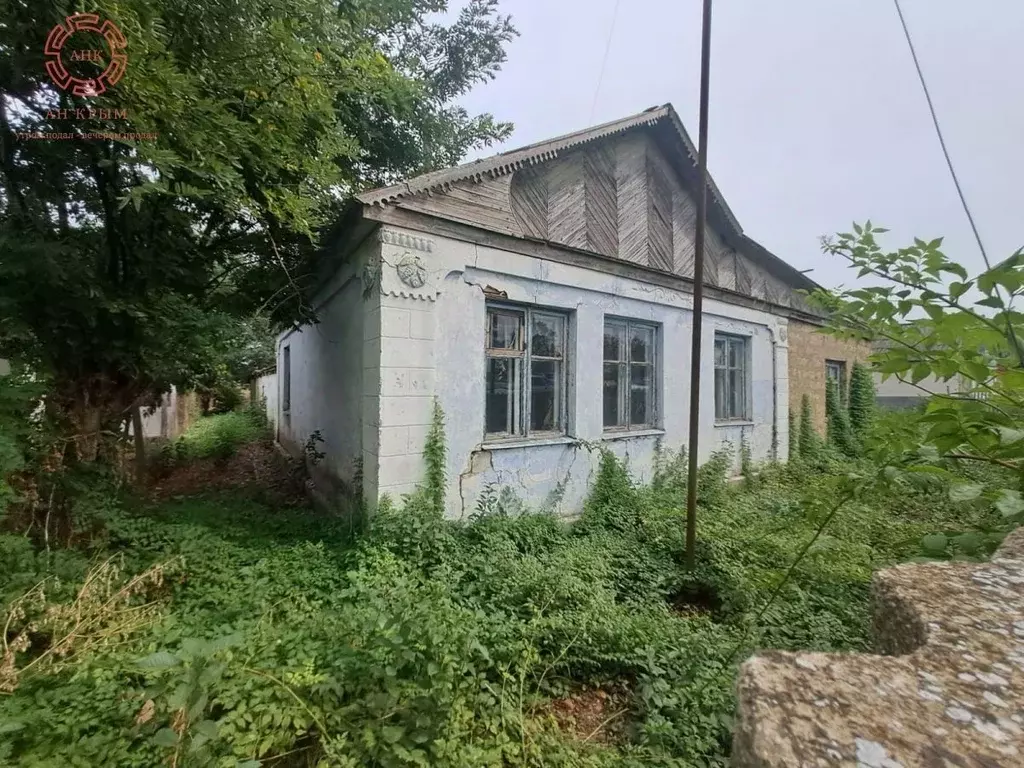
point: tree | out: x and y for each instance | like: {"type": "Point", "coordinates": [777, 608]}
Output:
{"type": "Point", "coordinates": [838, 433]}
{"type": "Point", "coordinates": [862, 400]}
{"type": "Point", "coordinates": [122, 256]}
{"type": "Point", "coordinates": [808, 438]}
{"type": "Point", "coordinates": [935, 329]}
{"type": "Point", "coordinates": [794, 438]}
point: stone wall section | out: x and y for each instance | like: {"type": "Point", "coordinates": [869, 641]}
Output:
{"type": "Point", "coordinates": [954, 698]}
{"type": "Point", "coordinates": [808, 351]}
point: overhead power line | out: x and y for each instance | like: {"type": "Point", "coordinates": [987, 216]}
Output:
{"type": "Point", "coordinates": [604, 61]}
{"type": "Point", "coordinates": [938, 131]}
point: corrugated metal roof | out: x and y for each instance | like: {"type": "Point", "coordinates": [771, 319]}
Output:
{"type": "Point", "coordinates": [507, 162]}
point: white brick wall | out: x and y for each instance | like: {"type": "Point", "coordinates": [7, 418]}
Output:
{"type": "Point", "coordinates": [403, 352]}
{"type": "Point", "coordinates": [407, 360]}
{"type": "Point", "coordinates": [427, 341]}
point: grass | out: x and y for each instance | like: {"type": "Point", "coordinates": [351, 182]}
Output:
{"type": "Point", "coordinates": [220, 435]}
{"type": "Point", "coordinates": [279, 637]}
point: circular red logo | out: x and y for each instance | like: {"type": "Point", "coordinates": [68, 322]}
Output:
{"type": "Point", "coordinates": [117, 59]}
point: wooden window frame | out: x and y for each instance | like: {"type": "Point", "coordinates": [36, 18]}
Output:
{"type": "Point", "coordinates": [522, 402]}
{"type": "Point", "coordinates": [840, 366]}
{"type": "Point", "coordinates": [730, 339]}
{"type": "Point", "coordinates": [627, 363]}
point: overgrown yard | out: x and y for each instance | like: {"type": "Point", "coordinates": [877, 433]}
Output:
{"type": "Point", "coordinates": [221, 629]}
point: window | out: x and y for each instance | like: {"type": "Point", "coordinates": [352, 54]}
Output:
{"type": "Point", "coordinates": [629, 375]}
{"type": "Point", "coordinates": [525, 388]}
{"type": "Point", "coordinates": [731, 377]}
{"type": "Point", "coordinates": [286, 385]}
{"type": "Point", "coordinates": [835, 370]}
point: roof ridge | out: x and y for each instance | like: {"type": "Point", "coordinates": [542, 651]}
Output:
{"type": "Point", "coordinates": [510, 160]}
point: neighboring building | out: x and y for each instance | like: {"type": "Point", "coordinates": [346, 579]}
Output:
{"type": "Point", "coordinates": [544, 297]}
{"type": "Point", "coordinates": [814, 358]}
{"type": "Point", "coordinates": [896, 394]}
{"type": "Point", "coordinates": [172, 417]}
{"type": "Point", "coordinates": [264, 387]}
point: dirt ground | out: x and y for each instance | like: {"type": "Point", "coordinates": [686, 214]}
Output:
{"type": "Point", "coordinates": [593, 714]}
{"type": "Point", "coordinates": [257, 467]}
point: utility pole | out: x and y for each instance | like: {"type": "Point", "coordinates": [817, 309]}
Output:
{"type": "Point", "coordinates": [698, 287]}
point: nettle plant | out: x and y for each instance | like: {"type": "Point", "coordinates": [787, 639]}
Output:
{"type": "Point", "coordinates": [932, 321]}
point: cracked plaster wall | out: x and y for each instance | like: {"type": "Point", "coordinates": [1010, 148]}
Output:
{"type": "Point", "coordinates": [432, 343]}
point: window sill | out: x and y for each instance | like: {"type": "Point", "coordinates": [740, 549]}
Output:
{"type": "Point", "coordinates": [627, 434]}
{"type": "Point", "coordinates": [499, 445]}
{"type": "Point", "coordinates": [734, 423]}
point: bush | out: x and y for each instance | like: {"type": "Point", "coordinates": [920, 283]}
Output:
{"type": "Point", "coordinates": [809, 441]}
{"type": "Point", "coordinates": [219, 436]}
{"type": "Point", "coordinates": [426, 641]}
{"type": "Point", "coordinates": [862, 400]}
{"type": "Point", "coordinates": [227, 397]}
{"type": "Point", "coordinates": [839, 435]}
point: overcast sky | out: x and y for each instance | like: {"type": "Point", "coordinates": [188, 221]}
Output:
{"type": "Point", "coordinates": [817, 117]}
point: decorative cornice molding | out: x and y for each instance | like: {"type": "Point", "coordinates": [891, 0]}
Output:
{"type": "Point", "coordinates": [411, 295]}
{"type": "Point", "coordinates": [403, 240]}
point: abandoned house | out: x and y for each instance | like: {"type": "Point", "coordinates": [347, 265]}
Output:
{"type": "Point", "coordinates": [543, 297]}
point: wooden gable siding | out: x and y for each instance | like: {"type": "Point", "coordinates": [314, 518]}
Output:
{"type": "Point", "coordinates": [529, 202]}
{"type": "Point", "coordinates": [484, 203]}
{"type": "Point", "coordinates": [567, 203]}
{"type": "Point", "coordinates": [631, 189]}
{"type": "Point", "coordinates": [659, 212]}
{"type": "Point", "coordinates": [618, 197]}
{"type": "Point", "coordinates": [601, 201]}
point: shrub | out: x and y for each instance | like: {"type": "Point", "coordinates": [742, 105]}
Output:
{"type": "Point", "coordinates": [220, 436]}
{"type": "Point", "coordinates": [839, 435]}
{"type": "Point", "coordinates": [809, 440]}
{"type": "Point", "coordinates": [427, 641]}
{"type": "Point", "coordinates": [794, 436]}
{"type": "Point", "coordinates": [862, 400]}
{"type": "Point", "coordinates": [227, 397]}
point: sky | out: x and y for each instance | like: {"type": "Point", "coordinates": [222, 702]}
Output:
{"type": "Point", "coordinates": [817, 118]}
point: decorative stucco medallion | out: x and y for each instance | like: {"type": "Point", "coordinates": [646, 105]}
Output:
{"type": "Point", "coordinates": [782, 333]}
{"type": "Point", "coordinates": [411, 271]}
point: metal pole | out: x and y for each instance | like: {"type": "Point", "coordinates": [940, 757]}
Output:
{"type": "Point", "coordinates": [698, 287]}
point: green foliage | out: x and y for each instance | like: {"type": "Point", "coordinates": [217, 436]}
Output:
{"type": "Point", "coordinates": [794, 436]}
{"type": "Point", "coordinates": [127, 262]}
{"type": "Point", "coordinates": [20, 438]}
{"type": "Point", "coordinates": [435, 455]}
{"type": "Point", "coordinates": [931, 328]}
{"type": "Point", "coordinates": [839, 435]}
{"type": "Point", "coordinates": [809, 440]}
{"type": "Point", "coordinates": [746, 463]}
{"type": "Point", "coordinates": [219, 436]}
{"type": "Point", "coordinates": [227, 396]}
{"type": "Point", "coordinates": [431, 642]}
{"type": "Point", "coordinates": [862, 400]}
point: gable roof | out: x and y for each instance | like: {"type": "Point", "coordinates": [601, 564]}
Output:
{"type": "Point", "coordinates": [662, 119]}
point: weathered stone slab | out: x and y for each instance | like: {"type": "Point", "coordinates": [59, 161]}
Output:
{"type": "Point", "coordinates": [955, 697]}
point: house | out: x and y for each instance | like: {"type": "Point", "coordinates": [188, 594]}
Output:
{"type": "Point", "coordinates": [814, 359]}
{"type": "Point", "coordinates": [543, 298]}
